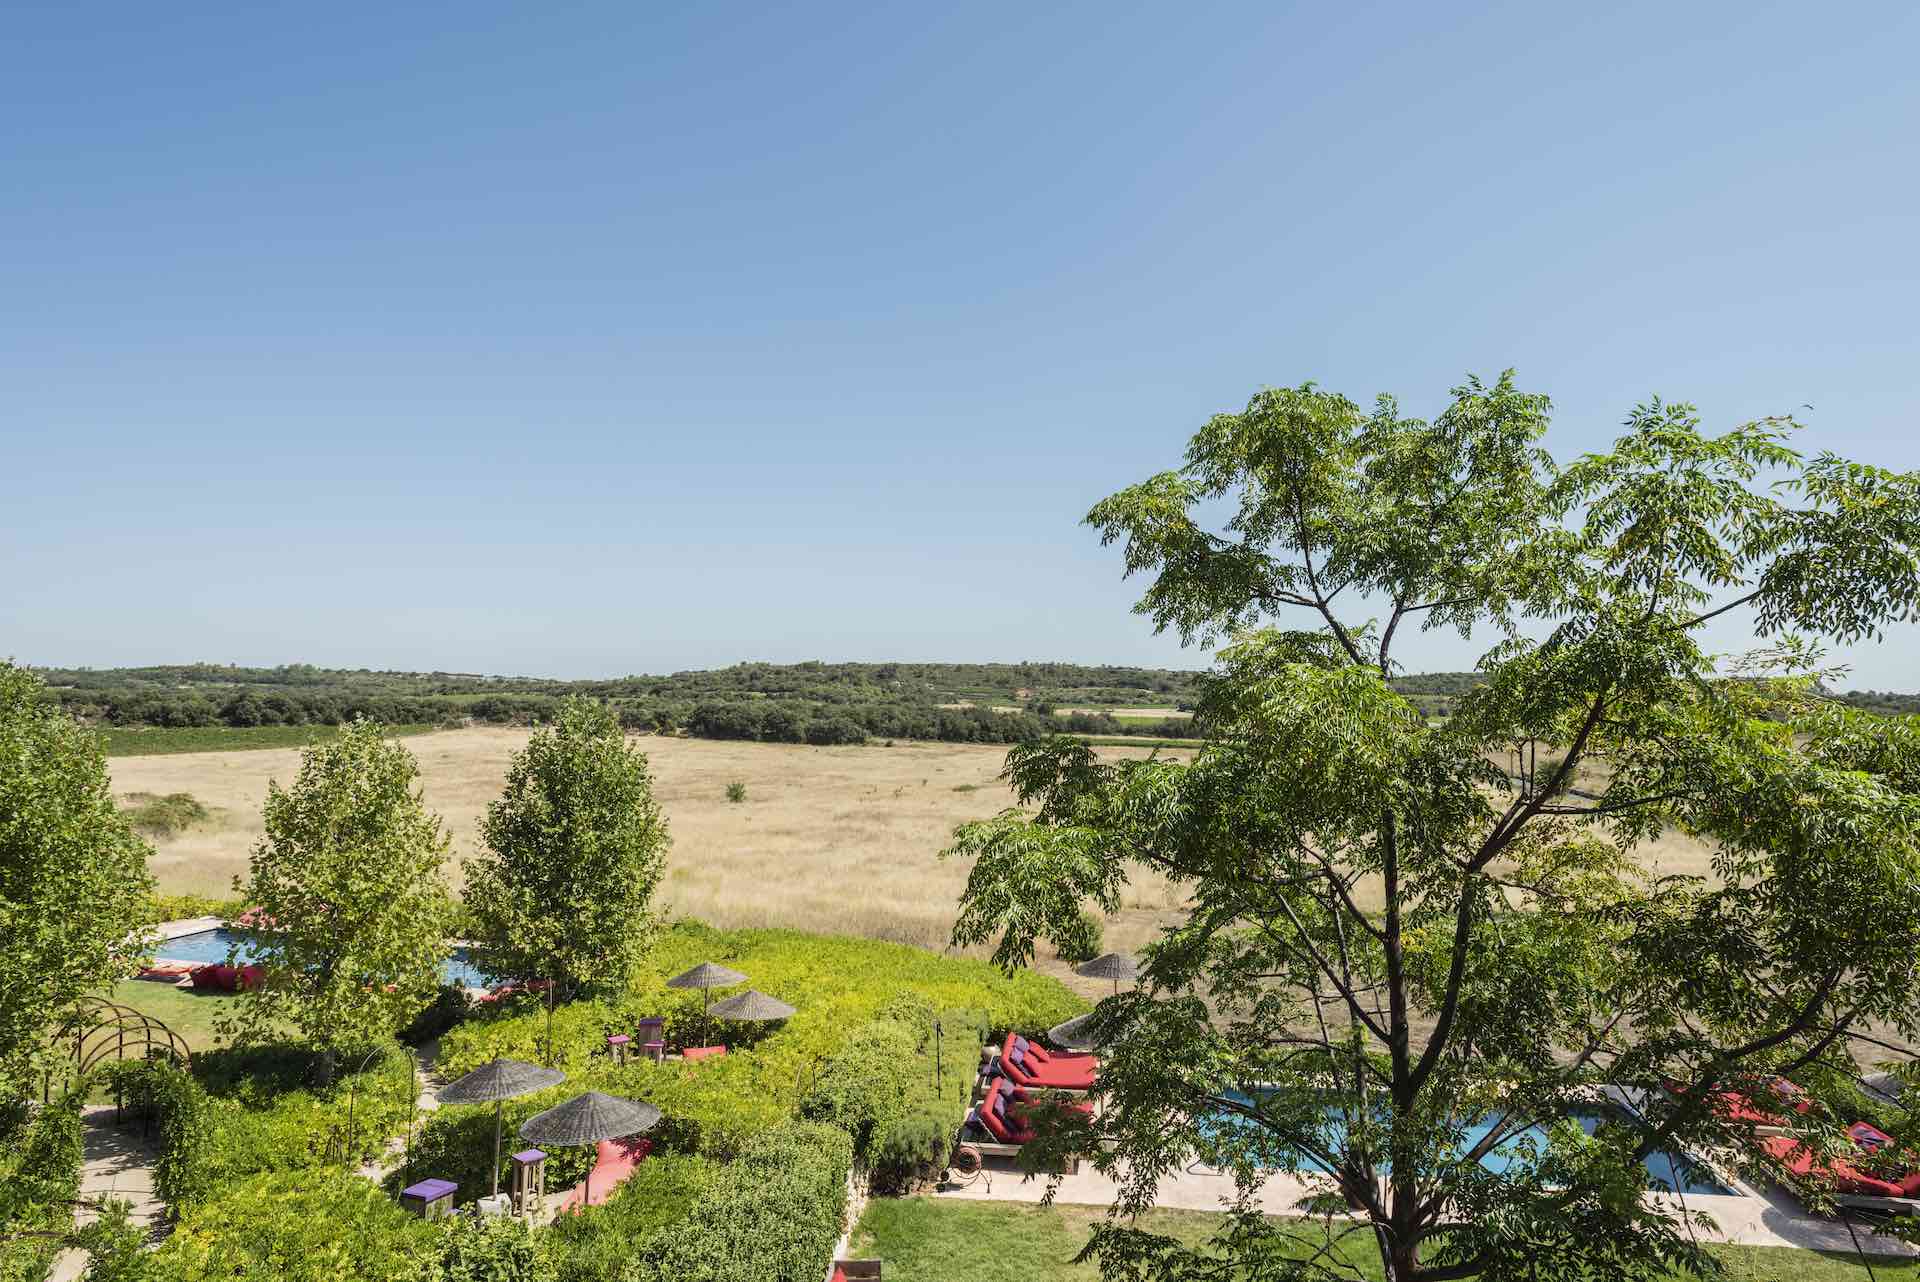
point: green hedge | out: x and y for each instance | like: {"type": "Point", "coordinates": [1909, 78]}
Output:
{"type": "Point", "coordinates": [773, 1214]}
{"type": "Point", "coordinates": [838, 985]}
{"type": "Point", "coordinates": [39, 1178]}
{"type": "Point", "coordinates": [881, 1089]}
{"type": "Point", "coordinates": [303, 1226]}
{"type": "Point", "coordinates": [184, 1121]}
{"type": "Point", "coordinates": [596, 1244]}
{"type": "Point", "coordinates": [179, 907]}
{"type": "Point", "coordinates": [267, 1115]}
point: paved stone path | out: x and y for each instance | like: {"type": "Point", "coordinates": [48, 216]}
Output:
{"type": "Point", "coordinates": [118, 1163]}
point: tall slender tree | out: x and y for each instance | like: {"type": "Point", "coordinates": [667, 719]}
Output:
{"type": "Point", "coordinates": [1415, 950]}
{"type": "Point", "coordinates": [575, 848]}
{"type": "Point", "coordinates": [348, 881]}
{"type": "Point", "coordinates": [73, 875]}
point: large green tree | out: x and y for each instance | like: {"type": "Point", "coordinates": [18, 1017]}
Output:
{"type": "Point", "coordinates": [1410, 944]}
{"type": "Point", "coordinates": [73, 876]}
{"type": "Point", "coordinates": [348, 879]}
{"type": "Point", "coordinates": [575, 848]}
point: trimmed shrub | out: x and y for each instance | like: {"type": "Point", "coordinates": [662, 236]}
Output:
{"type": "Point", "coordinates": [450, 1005]}
{"type": "Point", "coordinates": [913, 1148]}
{"type": "Point", "coordinates": [773, 1215]}
{"type": "Point", "coordinates": [306, 1226]}
{"type": "Point", "coordinates": [267, 1116]}
{"type": "Point", "coordinates": [39, 1178]}
{"type": "Point", "coordinates": [184, 1122]}
{"type": "Point", "coordinates": [882, 1090]}
{"type": "Point", "coordinates": [178, 907]}
{"type": "Point", "coordinates": [1082, 942]}
{"type": "Point", "coordinates": [597, 1243]}
{"type": "Point", "coordinates": [490, 1249]}
{"type": "Point", "coordinates": [838, 984]}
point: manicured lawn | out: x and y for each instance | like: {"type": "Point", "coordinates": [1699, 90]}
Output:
{"type": "Point", "coordinates": [186, 1012]}
{"type": "Point", "coordinates": [928, 1240]}
{"type": "Point", "coordinates": [148, 741]}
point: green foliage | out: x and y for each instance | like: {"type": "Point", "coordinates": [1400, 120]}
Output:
{"type": "Point", "coordinates": [39, 1178]}
{"type": "Point", "coordinates": [455, 1142]}
{"type": "Point", "coordinates": [913, 1147]}
{"type": "Point", "coordinates": [182, 1118]}
{"type": "Point", "coordinates": [167, 816]}
{"type": "Point", "coordinates": [158, 741]}
{"type": "Point", "coordinates": [575, 848]}
{"type": "Point", "coordinates": [881, 1088]}
{"type": "Point", "coordinates": [490, 1249]}
{"type": "Point", "coordinates": [450, 1005]}
{"type": "Point", "coordinates": [307, 1226]}
{"type": "Point", "coordinates": [1519, 958]}
{"type": "Point", "coordinates": [203, 707]}
{"type": "Point", "coordinates": [596, 1243]}
{"type": "Point", "coordinates": [836, 983]}
{"type": "Point", "coordinates": [736, 792]}
{"type": "Point", "coordinates": [73, 876]}
{"type": "Point", "coordinates": [771, 1215]}
{"type": "Point", "coordinates": [1080, 942]}
{"type": "Point", "coordinates": [160, 908]}
{"type": "Point", "coordinates": [272, 1114]}
{"type": "Point", "coordinates": [349, 873]}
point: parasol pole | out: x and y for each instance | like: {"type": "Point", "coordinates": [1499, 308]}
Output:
{"type": "Point", "coordinates": [499, 1106]}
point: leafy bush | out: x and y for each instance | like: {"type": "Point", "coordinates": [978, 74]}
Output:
{"type": "Point", "coordinates": [772, 1215]}
{"type": "Point", "coordinates": [268, 1115]}
{"type": "Point", "coordinates": [39, 1177]}
{"type": "Point", "coordinates": [184, 1122]}
{"type": "Point", "coordinates": [837, 983]}
{"type": "Point", "coordinates": [736, 792]}
{"type": "Point", "coordinates": [595, 1244]}
{"type": "Point", "coordinates": [456, 1143]}
{"type": "Point", "coordinates": [489, 1249]}
{"type": "Point", "coordinates": [450, 1005]}
{"type": "Point", "coordinates": [166, 816]}
{"type": "Point", "coordinates": [1082, 942]}
{"type": "Point", "coordinates": [913, 1147]}
{"type": "Point", "coordinates": [882, 1090]}
{"type": "Point", "coordinates": [178, 907]}
{"type": "Point", "coordinates": [306, 1226]}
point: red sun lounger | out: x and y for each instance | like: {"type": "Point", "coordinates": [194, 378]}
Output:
{"type": "Point", "coordinates": [1029, 1065]}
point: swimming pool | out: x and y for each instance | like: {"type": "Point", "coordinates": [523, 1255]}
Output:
{"type": "Point", "coordinates": [1666, 1172]}
{"type": "Point", "coordinates": [213, 945]}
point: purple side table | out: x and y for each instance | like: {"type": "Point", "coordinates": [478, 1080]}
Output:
{"type": "Point", "coordinates": [429, 1199]}
{"type": "Point", "coordinates": [529, 1181]}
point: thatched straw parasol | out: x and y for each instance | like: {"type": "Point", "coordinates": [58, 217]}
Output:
{"type": "Point", "coordinates": [706, 976]}
{"type": "Point", "coordinates": [500, 1080]}
{"type": "Point", "coordinates": [588, 1119]}
{"type": "Point", "coordinates": [1114, 966]}
{"type": "Point", "coordinates": [753, 1005]}
{"type": "Point", "coordinates": [1074, 1034]}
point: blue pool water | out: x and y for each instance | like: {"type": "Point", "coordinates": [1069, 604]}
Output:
{"type": "Point", "coordinates": [212, 946]}
{"type": "Point", "coordinates": [1665, 1171]}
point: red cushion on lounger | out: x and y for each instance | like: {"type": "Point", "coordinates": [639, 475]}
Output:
{"type": "Point", "coordinates": [1842, 1177]}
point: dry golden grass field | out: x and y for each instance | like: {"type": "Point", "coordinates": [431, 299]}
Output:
{"type": "Point", "coordinates": [840, 839]}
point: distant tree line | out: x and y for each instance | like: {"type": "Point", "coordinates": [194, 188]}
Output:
{"type": "Point", "coordinates": [820, 703]}
{"type": "Point", "coordinates": [796, 703]}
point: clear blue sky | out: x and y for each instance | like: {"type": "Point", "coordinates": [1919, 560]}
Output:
{"type": "Point", "coordinates": [614, 337]}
